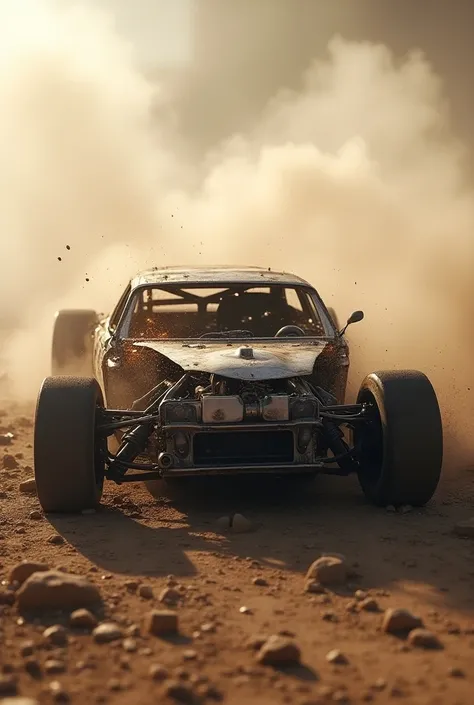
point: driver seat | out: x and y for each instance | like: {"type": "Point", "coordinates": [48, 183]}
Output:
{"type": "Point", "coordinates": [262, 314]}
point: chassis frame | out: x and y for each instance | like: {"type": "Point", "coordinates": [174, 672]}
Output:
{"type": "Point", "coordinates": [139, 425]}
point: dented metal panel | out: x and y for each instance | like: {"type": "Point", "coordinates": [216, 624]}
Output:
{"type": "Point", "coordinates": [265, 361]}
{"type": "Point", "coordinates": [214, 276]}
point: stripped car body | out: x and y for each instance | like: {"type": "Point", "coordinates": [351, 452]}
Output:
{"type": "Point", "coordinates": [205, 371]}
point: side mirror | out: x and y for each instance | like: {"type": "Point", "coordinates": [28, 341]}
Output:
{"type": "Point", "coordinates": [353, 318]}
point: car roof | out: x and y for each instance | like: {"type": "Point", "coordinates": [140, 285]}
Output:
{"type": "Point", "coordinates": [213, 275]}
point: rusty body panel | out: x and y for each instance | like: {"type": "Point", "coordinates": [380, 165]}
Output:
{"type": "Point", "coordinates": [267, 360]}
{"type": "Point", "coordinates": [214, 275]}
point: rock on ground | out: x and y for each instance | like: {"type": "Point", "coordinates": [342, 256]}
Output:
{"type": "Point", "coordinates": [82, 619]}
{"type": "Point", "coordinates": [53, 589]}
{"type": "Point", "coordinates": [398, 621]}
{"type": "Point", "coordinates": [107, 632]}
{"type": "Point", "coordinates": [328, 570]}
{"type": "Point", "coordinates": [424, 639]}
{"type": "Point", "coordinates": [279, 651]}
{"type": "Point", "coordinates": [158, 622]}
{"type": "Point", "coordinates": [28, 486]}
{"type": "Point", "coordinates": [23, 570]}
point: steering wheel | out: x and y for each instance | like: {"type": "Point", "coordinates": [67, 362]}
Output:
{"type": "Point", "coordinates": [290, 332]}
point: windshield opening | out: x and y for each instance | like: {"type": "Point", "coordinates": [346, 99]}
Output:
{"type": "Point", "coordinates": [164, 312]}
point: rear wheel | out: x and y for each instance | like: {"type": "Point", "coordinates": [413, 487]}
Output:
{"type": "Point", "coordinates": [72, 342]}
{"type": "Point", "coordinates": [69, 460]}
{"type": "Point", "coordinates": [401, 449]}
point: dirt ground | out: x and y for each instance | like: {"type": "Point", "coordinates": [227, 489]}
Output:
{"type": "Point", "coordinates": [409, 560]}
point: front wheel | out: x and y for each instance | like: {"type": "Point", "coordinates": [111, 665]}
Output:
{"type": "Point", "coordinates": [401, 447]}
{"type": "Point", "coordinates": [68, 456]}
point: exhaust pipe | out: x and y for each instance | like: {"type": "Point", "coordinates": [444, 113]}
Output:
{"type": "Point", "coordinates": [165, 461]}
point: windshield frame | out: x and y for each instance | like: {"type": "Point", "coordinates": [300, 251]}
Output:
{"type": "Point", "coordinates": [123, 324]}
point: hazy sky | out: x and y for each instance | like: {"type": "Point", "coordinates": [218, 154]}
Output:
{"type": "Point", "coordinates": [160, 30]}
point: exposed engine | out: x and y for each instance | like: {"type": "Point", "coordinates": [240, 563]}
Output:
{"type": "Point", "coordinates": [206, 420]}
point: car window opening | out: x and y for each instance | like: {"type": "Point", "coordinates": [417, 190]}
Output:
{"type": "Point", "coordinates": [159, 312]}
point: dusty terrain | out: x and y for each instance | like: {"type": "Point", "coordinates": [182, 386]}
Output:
{"type": "Point", "coordinates": [135, 547]}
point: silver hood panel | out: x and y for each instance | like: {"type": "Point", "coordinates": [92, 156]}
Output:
{"type": "Point", "coordinates": [250, 361]}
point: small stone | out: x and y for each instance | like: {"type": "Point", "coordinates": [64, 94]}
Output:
{"type": "Point", "coordinates": [170, 596]}
{"type": "Point", "coordinates": [107, 632]}
{"type": "Point", "coordinates": [424, 639]}
{"type": "Point", "coordinates": [35, 515]}
{"type": "Point", "coordinates": [55, 539]}
{"type": "Point", "coordinates": [23, 570]}
{"type": "Point", "coordinates": [399, 621]}
{"type": "Point", "coordinates": [160, 622]}
{"type": "Point", "coordinates": [260, 582]}
{"type": "Point", "coordinates": [27, 648]}
{"type": "Point", "coordinates": [131, 585]}
{"type": "Point", "coordinates": [114, 685]}
{"type": "Point", "coordinates": [245, 610]}
{"type": "Point", "coordinates": [406, 509]}
{"type": "Point", "coordinates": [82, 619]}
{"type": "Point", "coordinates": [390, 509]}
{"type": "Point", "coordinates": [8, 684]}
{"type": "Point", "coordinates": [240, 524]}
{"type": "Point", "coordinates": [158, 672]}
{"type": "Point", "coordinates": [369, 605]}
{"type": "Point", "coordinates": [130, 645]}
{"type": "Point", "coordinates": [379, 685]}
{"type": "Point", "coordinates": [465, 529]}
{"type": "Point", "coordinates": [336, 657]}
{"type": "Point", "coordinates": [53, 666]}
{"type": "Point", "coordinates": [223, 524]}
{"type": "Point", "coordinates": [456, 672]}
{"type": "Point", "coordinates": [56, 635]}
{"type": "Point", "coordinates": [10, 462]}
{"type": "Point", "coordinates": [58, 692]}
{"type": "Point", "coordinates": [179, 691]}
{"type": "Point", "coordinates": [328, 570]}
{"type": "Point", "coordinates": [208, 628]}
{"type": "Point", "coordinates": [360, 595]}
{"type": "Point", "coordinates": [28, 486]}
{"type": "Point", "coordinates": [146, 592]}
{"type": "Point", "coordinates": [279, 651]}
{"type": "Point", "coordinates": [329, 616]}
{"type": "Point", "coordinates": [189, 655]}
{"type": "Point", "coordinates": [56, 590]}
{"type": "Point", "coordinates": [6, 439]}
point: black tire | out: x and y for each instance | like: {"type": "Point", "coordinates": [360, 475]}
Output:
{"type": "Point", "coordinates": [72, 343]}
{"type": "Point", "coordinates": [402, 448]}
{"type": "Point", "coordinates": [69, 465]}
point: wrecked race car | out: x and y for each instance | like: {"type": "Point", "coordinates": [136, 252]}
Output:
{"type": "Point", "coordinates": [224, 371]}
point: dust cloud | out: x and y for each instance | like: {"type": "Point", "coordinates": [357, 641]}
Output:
{"type": "Point", "coordinates": [354, 181]}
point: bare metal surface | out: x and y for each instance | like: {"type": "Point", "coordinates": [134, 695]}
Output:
{"type": "Point", "coordinates": [214, 276]}
{"type": "Point", "coordinates": [283, 469]}
{"type": "Point", "coordinates": [270, 360]}
{"type": "Point", "coordinates": [222, 409]}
